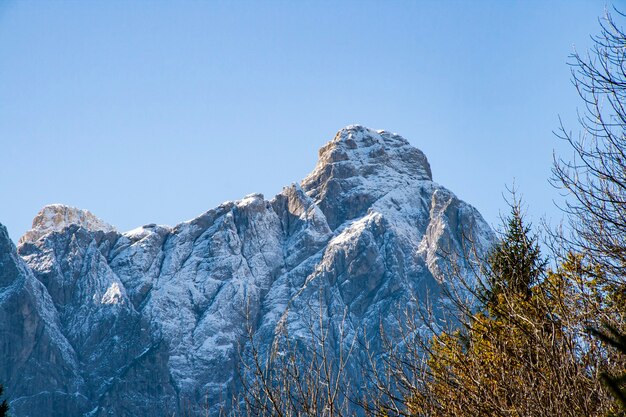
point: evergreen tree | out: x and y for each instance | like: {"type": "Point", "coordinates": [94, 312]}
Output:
{"type": "Point", "coordinates": [616, 384]}
{"type": "Point", "coordinates": [525, 352]}
{"type": "Point", "coordinates": [515, 264]}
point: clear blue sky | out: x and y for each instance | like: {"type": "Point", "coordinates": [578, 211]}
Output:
{"type": "Point", "coordinates": [149, 112]}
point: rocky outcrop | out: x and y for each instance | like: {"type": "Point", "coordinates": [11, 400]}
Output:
{"type": "Point", "coordinates": [150, 322]}
{"type": "Point", "coordinates": [56, 217]}
{"type": "Point", "coordinates": [358, 167]}
{"type": "Point", "coordinates": [38, 365]}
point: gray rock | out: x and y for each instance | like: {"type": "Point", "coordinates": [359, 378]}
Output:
{"type": "Point", "coordinates": [151, 321]}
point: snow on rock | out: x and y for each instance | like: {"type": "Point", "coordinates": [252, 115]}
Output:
{"type": "Point", "coordinates": [152, 321]}
{"type": "Point", "coordinates": [56, 217]}
{"type": "Point", "coordinates": [113, 294]}
{"type": "Point", "coordinates": [358, 167]}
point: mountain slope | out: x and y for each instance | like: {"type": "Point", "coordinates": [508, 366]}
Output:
{"type": "Point", "coordinates": [150, 322]}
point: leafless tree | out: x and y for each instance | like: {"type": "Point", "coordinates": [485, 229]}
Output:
{"type": "Point", "coordinates": [299, 376]}
{"type": "Point", "coordinates": [595, 178]}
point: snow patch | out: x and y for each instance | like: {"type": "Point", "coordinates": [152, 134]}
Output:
{"type": "Point", "coordinates": [113, 295]}
{"type": "Point", "coordinates": [250, 199]}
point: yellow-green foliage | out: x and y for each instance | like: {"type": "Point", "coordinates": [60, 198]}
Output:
{"type": "Point", "coordinates": [527, 351]}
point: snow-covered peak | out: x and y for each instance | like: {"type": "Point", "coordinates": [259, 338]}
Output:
{"type": "Point", "coordinates": [364, 151]}
{"type": "Point", "coordinates": [56, 217]}
{"type": "Point", "coordinates": [360, 165]}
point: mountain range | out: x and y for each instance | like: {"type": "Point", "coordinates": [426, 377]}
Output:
{"type": "Point", "coordinates": [95, 322]}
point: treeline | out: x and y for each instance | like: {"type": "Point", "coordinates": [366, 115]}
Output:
{"type": "Point", "coordinates": [544, 334]}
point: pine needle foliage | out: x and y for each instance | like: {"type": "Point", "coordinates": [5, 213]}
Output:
{"type": "Point", "coordinates": [525, 351]}
{"type": "Point", "coordinates": [515, 264]}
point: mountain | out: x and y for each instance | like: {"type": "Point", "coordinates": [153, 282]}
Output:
{"type": "Point", "coordinates": [152, 321]}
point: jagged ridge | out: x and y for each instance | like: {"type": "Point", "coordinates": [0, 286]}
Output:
{"type": "Point", "coordinates": [149, 321]}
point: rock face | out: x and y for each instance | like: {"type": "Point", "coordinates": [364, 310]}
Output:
{"type": "Point", "coordinates": [56, 217]}
{"type": "Point", "coordinates": [150, 322]}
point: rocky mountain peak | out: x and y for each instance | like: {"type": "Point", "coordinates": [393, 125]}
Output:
{"type": "Point", "coordinates": [155, 321]}
{"type": "Point", "coordinates": [360, 165]}
{"type": "Point", "coordinates": [369, 151]}
{"type": "Point", "coordinates": [56, 217]}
